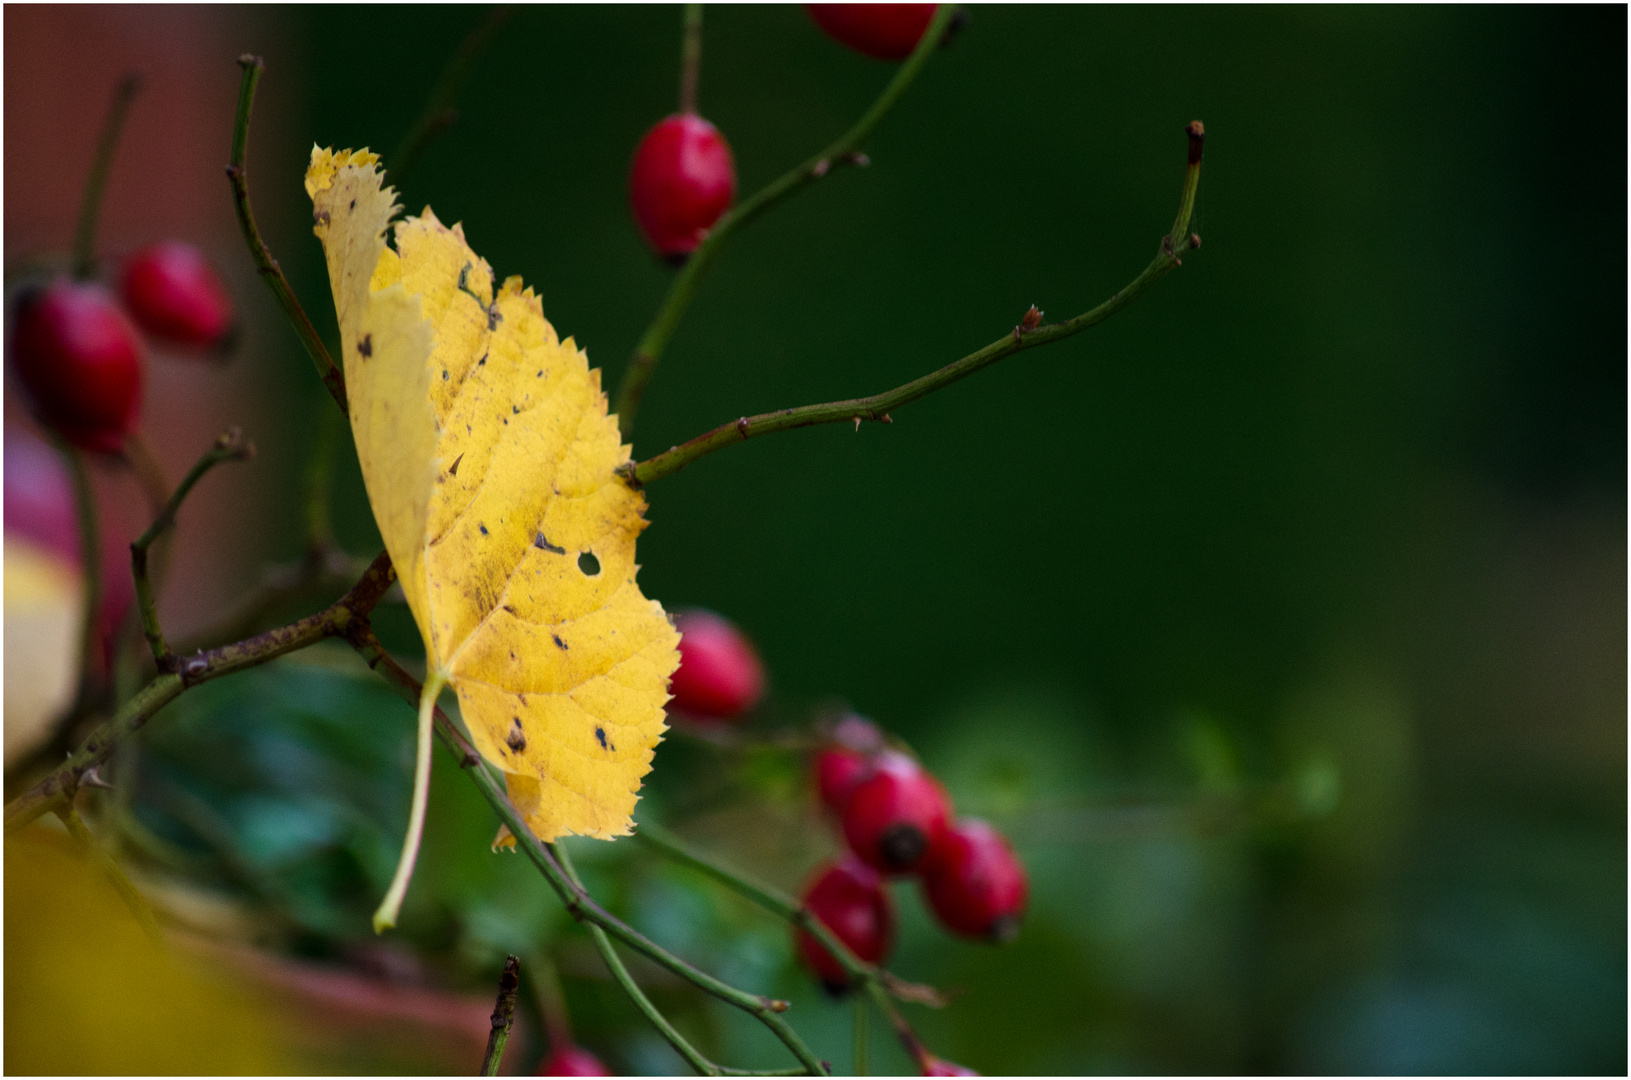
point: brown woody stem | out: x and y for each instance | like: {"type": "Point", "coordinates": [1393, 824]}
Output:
{"type": "Point", "coordinates": [878, 407]}
{"type": "Point", "coordinates": [503, 1015]}
{"type": "Point", "coordinates": [270, 271]}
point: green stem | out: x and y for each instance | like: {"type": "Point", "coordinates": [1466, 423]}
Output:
{"type": "Point", "coordinates": [58, 787]}
{"type": "Point", "coordinates": [879, 406]}
{"type": "Point", "coordinates": [860, 1034]}
{"type": "Point", "coordinates": [439, 113]}
{"type": "Point", "coordinates": [690, 58]}
{"type": "Point", "coordinates": [620, 972]}
{"type": "Point", "coordinates": [579, 904]}
{"type": "Point", "coordinates": [320, 484]}
{"type": "Point", "coordinates": [90, 560]}
{"type": "Point", "coordinates": [503, 1015]}
{"type": "Point", "coordinates": [638, 374]}
{"type": "Point", "coordinates": [270, 271]}
{"type": "Point", "coordinates": [391, 906]}
{"type": "Point", "coordinates": [229, 446]}
{"type": "Point", "coordinates": [83, 263]}
{"type": "Point", "coordinates": [134, 900]}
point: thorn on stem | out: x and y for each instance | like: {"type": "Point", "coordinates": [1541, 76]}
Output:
{"type": "Point", "coordinates": [1194, 240]}
{"type": "Point", "coordinates": [777, 1005]}
{"type": "Point", "coordinates": [819, 169]}
{"type": "Point", "coordinates": [91, 778]}
{"type": "Point", "coordinates": [857, 424]}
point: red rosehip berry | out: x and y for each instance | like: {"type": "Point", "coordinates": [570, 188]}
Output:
{"type": "Point", "coordinates": [720, 675]}
{"type": "Point", "coordinates": [895, 814]}
{"type": "Point", "coordinates": [937, 1066]}
{"type": "Point", "coordinates": [683, 178]}
{"type": "Point", "coordinates": [172, 292]}
{"type": "Point", "coordinates": [571, 1061]}
{"type": "Point", "coordinates": [846, 760]}
{"type": "Point", "coordinates": [881, 31]}
{"type": "Point", "coordinates": [849, 899]}
{"type": "Point", "coordinates": [974, 883]}
{"type": "Point", "coordinates": [81, 363]}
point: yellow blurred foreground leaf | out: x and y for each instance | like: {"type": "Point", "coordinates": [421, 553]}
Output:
{"type": "Point", "coordinates": [88, 993]}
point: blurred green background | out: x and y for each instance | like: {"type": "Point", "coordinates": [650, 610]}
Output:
{"type": "Point", "coordinates": [1281, 620]}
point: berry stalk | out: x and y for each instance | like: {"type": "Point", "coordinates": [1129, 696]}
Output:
{"type": "Point", "coordinates": [83, 262]}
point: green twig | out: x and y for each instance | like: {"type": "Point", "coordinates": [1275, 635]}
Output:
{"type": "Point", "coordinates": [860, 1034]}
{"type": "Point", "coordinates": [503, 1015]}
{"type": "Point", "coordinates": [90, 568]}
{"type": "Point", "coordinates": [690, 58]}
{"type": "Point", "coordinates": [133, 899]}
{"type": "Point", "coordinates": [579, 904]}
{"type": "Point", "coordinates": [1029, 334]}
{"type": "Point", "coordinates": [439, 113]}
{"type": "Point", "coordinates": [845, 151]}
{"type": "Point", "coordinates": [620, 972]}
{"type": "Point", "coordinates": [229, 446]}
{"type": "Point", "coordinates": [320, 484]}
{"type": "Point", "coordinates": [270, 271]}
{"type": "Point", "coordinates": [83, 263]}
{"type": "Point", "coordinates": [58, 787]}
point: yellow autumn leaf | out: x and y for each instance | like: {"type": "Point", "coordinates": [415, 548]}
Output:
{"type": "Point", "coordinates": [490, 462]}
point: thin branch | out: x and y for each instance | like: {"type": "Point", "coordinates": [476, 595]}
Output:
{"type": "Point", "coordinates": [229, 446]}
{"type": "Point", "coordinates": [860, 1035]}
{"type": "Point", "coordinates": [320, 484]}
{"type": "Point", "coordinates": [58, 787]}
{"type": "Point", "coordinates": [780, 904]}
{"type": "Point", "coordinates": [83, 263]}
{"type": "Point", "coordinates": [270, 271]}
{"type": "Point", "coordinates": [90, 560]}
{"type": "Point", "coordinates": [503, 1015]}
{"type": "Point", "coordinates": [134, 900]}
{"type": "Point", "coordinates": [1029, 334]}
{"type": "Point", "coordinates": [620, 972]}
{"type": "Point", "coordinates": [439, 113]}
{"type": "Point", "coordinates": [690, 58]}
{"type": "Point", "coordinates": [845, 151]}
{"type": "Point", "coordinates": [579, 904]}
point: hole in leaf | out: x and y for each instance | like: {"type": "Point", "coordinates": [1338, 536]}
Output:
{"type": "Point", "coordinates": [589, 564]}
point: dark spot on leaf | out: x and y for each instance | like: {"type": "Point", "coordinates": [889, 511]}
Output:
{"type": "Point", "coordinates": [365, 347]}
{"type": "Point", "coordinates": [588, 563]}
{"type": "Point", "coordinates": [540, 375]}
{"type": "Point", "coordinates": [516, 738]}
{"type": "Point", "coordinates": [544, 545]}
{"type": "Point", "coordinates": [509, 609]}
{"type": "Point", "coordinates": [515, 410]}
{"type": "Point", "coordinates": [600, 733]}
{"type": "Point", "coordinates": [493, 318]}
{"type": "Point", "coordinates": [444, 374]}
{"type": "Point", "coordinates": [558, 640]}
{"type": "Point", "coordinates": [353, 205]}
{"type": "Point", "coordinates": [483, 361]}
{"type": "Point", "coordinates": [483, 529]}
{"type": "Point", "coordinates": [453, 469]}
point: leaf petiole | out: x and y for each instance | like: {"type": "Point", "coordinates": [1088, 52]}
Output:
{"type": "Point", "coordinates": [385, 917]}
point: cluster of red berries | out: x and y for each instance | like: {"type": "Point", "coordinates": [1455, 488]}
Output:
{"type": "Point", "coordinates": [683, 178]}
{"type": "Point", "coordinates": [897, 820]}
{"type": "Point", "coordinates": [895, 817]}
{"type": "Point", "coordinates": [78, 352]}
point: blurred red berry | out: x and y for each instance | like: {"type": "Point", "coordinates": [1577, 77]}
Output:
{"type": "Point", "coordinates": [849, 899]}
{"type": "Point", "coordinates": [720, 675]}
{"type": "Point", "coordinates": [571, 1061]}
{"type": "Point", "coordinates": [895, 814]}
{"type": "Point", "coordinates": [172, 292]}
{"type": "Point", "coordinates": [682, 180]}
{"type": "Point", "coordinates": [39, 506]}
{"type": "Point", "coordinates": [937, 1066]}
{"type": "Point", "coordinates": [81, 362]}
{"type": "Point", "coordinates": [845, 761]}
{"type": "Point", "coordinates": [881, 31]}
{"type": "Point", "coordinates": [974, 883]}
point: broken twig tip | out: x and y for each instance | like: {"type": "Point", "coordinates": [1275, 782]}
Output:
{"type": "Point", "coordinates": [1197, 140]}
